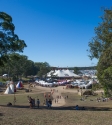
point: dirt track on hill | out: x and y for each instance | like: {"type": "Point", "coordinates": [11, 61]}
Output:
{"type": "Point", "coordinates": [57, 92]}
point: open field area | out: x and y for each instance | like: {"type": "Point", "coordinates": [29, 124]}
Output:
{"type": "Point", "coordinates": [61, 113]}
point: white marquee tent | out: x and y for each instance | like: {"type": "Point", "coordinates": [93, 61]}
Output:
{"type": "Point", "coordinates": [63, 73]}
{"type": "Point", "coordinates": [70, 73]}
{"type": "Point", "coordinates": [60, 73]}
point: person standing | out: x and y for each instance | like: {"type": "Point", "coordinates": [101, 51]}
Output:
{"type": "Point", "coordinates": [30, 101]}
{"type": "Point", "coordinates": [33, 102]}
{"type": "Point", "coordinates": [55, 100]}
{"type": "Point", "coordinates": [50, 103]}
{"type": "Point", "coordinates": [38, 103]}
{"type": "Point", "coordinates": [47, 104]}
{"type": "Point", "coordinates": [44, 103]}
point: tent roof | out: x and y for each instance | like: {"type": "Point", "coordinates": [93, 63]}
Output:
{"type": "Point", "coordinates": [64, 73]}
{"type": "Point", "coordinates": [8, 90]}
{"type": "Point", "coordinates": [19, 85]}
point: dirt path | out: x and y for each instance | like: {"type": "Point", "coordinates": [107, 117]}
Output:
{"type": "Point", "coordinates": [57, 94]}
{"type": "Point", "coordinates": [58, 99]}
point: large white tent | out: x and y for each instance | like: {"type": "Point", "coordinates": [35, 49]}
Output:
{"type": "Point", "coordinates": [60, 73]}
{"type": "Point", "coordinates": [63, 73]}
{"type": "Point", "coordinates": [50, 73]}
{"type": "Point", "coordinates": [70, 73]}
{"type": "Point", "coordinates": [8, 90]}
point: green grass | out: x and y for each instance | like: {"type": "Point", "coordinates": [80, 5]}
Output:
{"type": "Point", "coordinates": [21, 99]}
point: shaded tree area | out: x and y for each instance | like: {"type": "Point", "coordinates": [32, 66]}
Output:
{"type": "Point", "coordinates": [105, 71]}
{"type": "Point", "coordinates": [42, 68]}
{"type": "Point", "coordinates": [19, 66]}
{"type": "Point", "coordinates": [101, 48]}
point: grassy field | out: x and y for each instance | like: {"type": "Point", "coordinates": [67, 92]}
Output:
{"type": "Point", "coordinates": [96, 113]}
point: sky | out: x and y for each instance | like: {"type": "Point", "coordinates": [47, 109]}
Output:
{"type": "Point", "coordinates": [56, 31]}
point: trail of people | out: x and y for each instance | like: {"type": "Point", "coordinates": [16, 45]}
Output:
{"type": "Point", "coordinates": [58, 99]}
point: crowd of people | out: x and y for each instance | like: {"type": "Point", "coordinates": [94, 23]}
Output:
{"type": "Point", "coordinates": [35, 103]}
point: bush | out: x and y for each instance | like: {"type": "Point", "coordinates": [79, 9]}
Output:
{"type": "Point", "coordinates": [27, 90]}
{"type": "Point", "coordinates": [88, 92]}
{"type": "Point", "coordinates": [96, 86]}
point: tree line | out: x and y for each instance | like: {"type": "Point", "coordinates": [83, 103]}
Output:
{"type": "Point", "coordinates": [19, 66]}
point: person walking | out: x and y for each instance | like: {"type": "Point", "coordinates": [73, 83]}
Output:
{"type": "Point", "coordinates": [44, 103]}
{"type": "Point", "coordinates": [38, 103]}
{"type": "Point", "coordinates": [33, 102]}
{"type": "Point", "coordinates": [50, 103]}
{"type": "Point", "coordinates": [30, 102]}
{"type": "Point", "coordinates": [47, 103]}
{"type": "Point", "coordinates": [55, 100]}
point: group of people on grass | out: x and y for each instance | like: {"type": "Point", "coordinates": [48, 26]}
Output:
{"type": "Point", "coordinates": [48, 103]}
{"type": "Point", "coordinates": [79, 108]}
{"type": "Point", "coordinates": [36, 103]}
{"type": "Point", "coordinates": [32, 102]}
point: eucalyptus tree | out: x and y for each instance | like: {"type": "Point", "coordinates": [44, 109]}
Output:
{"type": "Point", "coordinates": [9, 41]}
{"type": "Point", "coordinates": [76, 70]}
{"type": "Point", "coordinates": [19, 66]}
{"type": "Point", "coordinates": [100, 48]}
{"type": "Point", "coordinates": [42, 68]}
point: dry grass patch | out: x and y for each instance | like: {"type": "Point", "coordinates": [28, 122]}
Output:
{"type": "Point", "coordinates": [21, 114]}
{"type": "Point", "coordinates": [16, 116]}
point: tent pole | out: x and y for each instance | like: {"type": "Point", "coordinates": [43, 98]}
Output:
{"type": "Point", "coordinates": [14, 96]}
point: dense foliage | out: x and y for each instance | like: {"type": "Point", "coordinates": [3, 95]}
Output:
{"type": "Point", "coordinates": [19, 66]}
{"type": "Point", "coordinates": [9, 41]}
{"type": "Point", "coordinates": [101, 48]}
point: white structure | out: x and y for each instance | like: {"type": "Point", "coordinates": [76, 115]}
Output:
{"type": "Point", "coordinates": [62, 73]}
{"type": "Point", "coordinates": [8, 90]}
{"type": "Point", "coordinates": [71, 74]}
{"type": "Point", "coordinates": [12, 87]}
{"type": "Point", "coordinates": [50, 73]}
{"type": "Point", "coordinates": [4, 75]}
